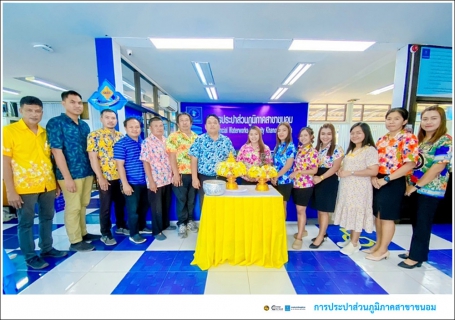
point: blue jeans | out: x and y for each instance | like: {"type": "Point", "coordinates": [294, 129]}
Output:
{"type": "Point", "coordinates": [26, 216]}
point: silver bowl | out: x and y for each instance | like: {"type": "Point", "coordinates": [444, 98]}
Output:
{"type": "Point", "coordinates": [214, 187]}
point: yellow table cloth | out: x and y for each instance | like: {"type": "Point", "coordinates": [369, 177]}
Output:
{"type": "Point", "coordinates": [242, 227]}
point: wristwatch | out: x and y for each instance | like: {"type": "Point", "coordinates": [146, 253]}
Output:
{"type": "Point", "coordinates": [387, 178]}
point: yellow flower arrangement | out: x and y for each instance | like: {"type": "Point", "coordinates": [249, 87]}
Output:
{"type": "Point", "coordinates": [264, 172]}
{"type": "Point", "coordinates": [231, 169]}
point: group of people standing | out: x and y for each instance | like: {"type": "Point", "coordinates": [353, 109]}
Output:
{"type": "Point", "coordinates": [362, 187]}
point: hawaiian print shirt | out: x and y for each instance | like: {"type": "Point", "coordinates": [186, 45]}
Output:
{"type": "Point", "coordinates": [306, 159]}
{"type": "Point", "coordinates": [102, 142]}
{"type": "Point", "coordinates": [30, 158]}
{"type": "Point", "coordinates": [153, 151]}
{"type": "Point", "coordinates": [63, 133]}
{"type": "Point", "coordinates": [251, 157]}
{"type": "Point", "coordinates": [429, 154]}
{"type": "Point", "coordinates": [326, 161]}
{"type": "Point", "coordinates": [394, 152]}
{"type": "Point", "coordinates": [209, 152]}
{"type": "Point", "coordinates": [280, 156]}
{"type": "Point", "coordinates": [180, 143]}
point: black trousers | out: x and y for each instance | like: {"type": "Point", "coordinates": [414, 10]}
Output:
{"type": "Point", "coordinates": [186, 198]}
{"type": "Point", "coordinates": [423, 209]}
{"type": "Point", "coordinates": [160, 204]}
{"type": "Point", "coordinates": [112, 194]}
{"type": "Point", "coordinates": [137, 207]}
{"type": "Point", "coordinates": [202, 178]}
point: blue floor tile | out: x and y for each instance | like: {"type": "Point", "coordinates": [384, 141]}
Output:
{"type": "Point", "coordinates": [128, 245]}
{"type": "Point", "coordinates": [444, 231]}
{"type": "Point", "coordinates": [92, 218]}
{"type": "Point", "coordinates": [353, 282]}
{"type": "Point", "coordinates": [182, 262]}
{"type": "Point", "coordinates": [335, 261]}
{"type": "Point", "coordinates": [155, 261]}
{"type": "Point", "coordinates": [184, 283]}
{"type": "Point", "coordinates": [140, 283]}
{"type": "Point", "coordinates": [441, 260]}
{"type": "Point", "coordinates": [313, 283]}
{"type": "Point", "coordinates": [302, 261]}
{"type": "Point", "coordinates": [25, 278]}
{"type": "Point", "coordinates": [99, 245]}
{"type": "Point", "coordinates": [94, 203]}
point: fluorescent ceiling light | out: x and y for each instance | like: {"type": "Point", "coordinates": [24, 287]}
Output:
{"type": "Point", "coordinates": [204, 73]}
{"type": "Point", "coordinates": [188, 43]}
{"type": "Point", "coordinates": [214, 94]}
{"type": "Point", "coordinates": [209, 93]}
{"type": "Point", "coordinates": [375, 92]}
{"type": "Point", "coordinates": [44, 83]}
{"type": "Point", "coordinates": [322, 45]}
{"type": "Point", "coordinates": [278, 93]}
{"type": "Point", "coordinates": [11, 91]}
{"type": "Point", "coordinates": [296, 73]}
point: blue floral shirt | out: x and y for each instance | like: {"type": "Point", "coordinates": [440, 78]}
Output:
{"type": "Point", "coordinates": [209, 152]}
{"type": "Point", "coordinates": [280, 158]}
{"type": "Point", "coordinates": [63, 133]}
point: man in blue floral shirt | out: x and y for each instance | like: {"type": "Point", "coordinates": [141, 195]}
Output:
{"type": "Point", "coordinates": [208, 149]}
{"type": "Point", "coordinates": [67, 135]}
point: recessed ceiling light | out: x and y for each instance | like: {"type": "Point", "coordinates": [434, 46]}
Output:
{"type": "Point", "coordinates": [204, 72]}
{"type": "Point", "coordinates": [322, 45]}
{"type": "Point", "coordinates": [189, 43]}
{"type": "Point", "coordinates": [375, 92]}
{"type": "Point", "coordinates": [211, 92]}
{"type": "Point", "coordinates": [11, 91]}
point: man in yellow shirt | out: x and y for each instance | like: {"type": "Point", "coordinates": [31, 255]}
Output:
{"type": "Point", "coordinates": [100, 147]}
{"type": "Point", "coordinates": [29, 179]}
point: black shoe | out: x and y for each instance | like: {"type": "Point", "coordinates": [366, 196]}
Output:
{"type": "Point", "coordinates": [313, 246]}
{"type": "Point", "coordinates": [137, 239]}
{"type": "Point", "coordinates": [81, 246]}
{"type": "Point", "coordinates": [91, 237]}
{"type": "Point", "coordinates": [53, 253]}
{"type": "Point", "coordinates": [325, 238]}
{"type": "Point", "coordinates": [36, 263]}
{"type": "Point", "coordinates": [403, 256]}
{"type": "Point", "coordinates": [407, 266]}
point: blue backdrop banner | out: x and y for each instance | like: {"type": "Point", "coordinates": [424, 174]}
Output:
{"type": "Point", "coordinates": [237, 118]}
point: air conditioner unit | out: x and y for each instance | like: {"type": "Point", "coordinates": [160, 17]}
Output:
{"type": "Point", "coordinates": [165, 103]}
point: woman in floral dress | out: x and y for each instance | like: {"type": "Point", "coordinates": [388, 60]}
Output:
{"type": "Point", "coordinates": [354, 207]}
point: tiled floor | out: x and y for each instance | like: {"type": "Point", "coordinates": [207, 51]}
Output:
{"type": "Point", "coordinates": [163, 268]}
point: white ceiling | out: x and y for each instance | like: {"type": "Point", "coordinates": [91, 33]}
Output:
{"type": "Point", "coordinates": [250, 73]}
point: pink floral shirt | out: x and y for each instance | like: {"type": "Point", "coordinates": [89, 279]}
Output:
{"type": "Point", "coordinates": [153, 151]}
{"type": "Point", "coordinates": [251, 157]}
{"type": "Point", "coordinates": [306, 159]}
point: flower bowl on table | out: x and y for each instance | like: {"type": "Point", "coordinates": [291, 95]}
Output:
{"type": "Point", "coordinates": [262, 174]}
{"type": "Point", "coordinates": [214, 187]}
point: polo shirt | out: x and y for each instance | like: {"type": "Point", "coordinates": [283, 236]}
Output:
{"type": "Point", "coordinates": [129, 150]}
{"type": "Point", "coordinates": [30, 158]}
{"type": "Point", "coordinates": [63, 133]}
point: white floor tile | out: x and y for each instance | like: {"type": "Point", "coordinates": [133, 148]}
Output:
{"type": "Point", "coordinates": [438, 243]}
{"type": "Point", "coordinates": [270, 283]}
{"type": "Point", "coordinates": [82, 261]}
{"type": "Point", "coordinates": [254, 268]}
{"type": "Point", "coordinates": [59, 218]}
{"type": "Point", "coordinates": [117, 261]}
{"type": "Point", "coordinates": [369, 265]}
{"type": "Point", "coordinates": [403, 241]}
{"type": "Point", "coordinates": [398, 282]}
{"type": "Point", "coordinates": [54, 282]}
{"type": "Point", "coordinates": [172, 243]}
{"type": "Point", "coordinates": [226, 267]}
{"type": "Point", "coordinates": [434, 280]}
{"type": "Point", "coordinates": [227, 283]}
{"type": "Point", "coordinates": [88, 211]}
{"type": "Point", "coordinates": [403, 230]}
{"type": "Point", "coordinates": [189, 243]}
{"type": "Point", "coordinates": [97, 283]}
{"type": "Point", "coordinates": [59, 232]}
{"type": "Point", "coordinates": [93, 228]}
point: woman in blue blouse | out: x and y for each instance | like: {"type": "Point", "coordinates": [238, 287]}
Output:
{"type": "Point", "coordinates": [283, 160]}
